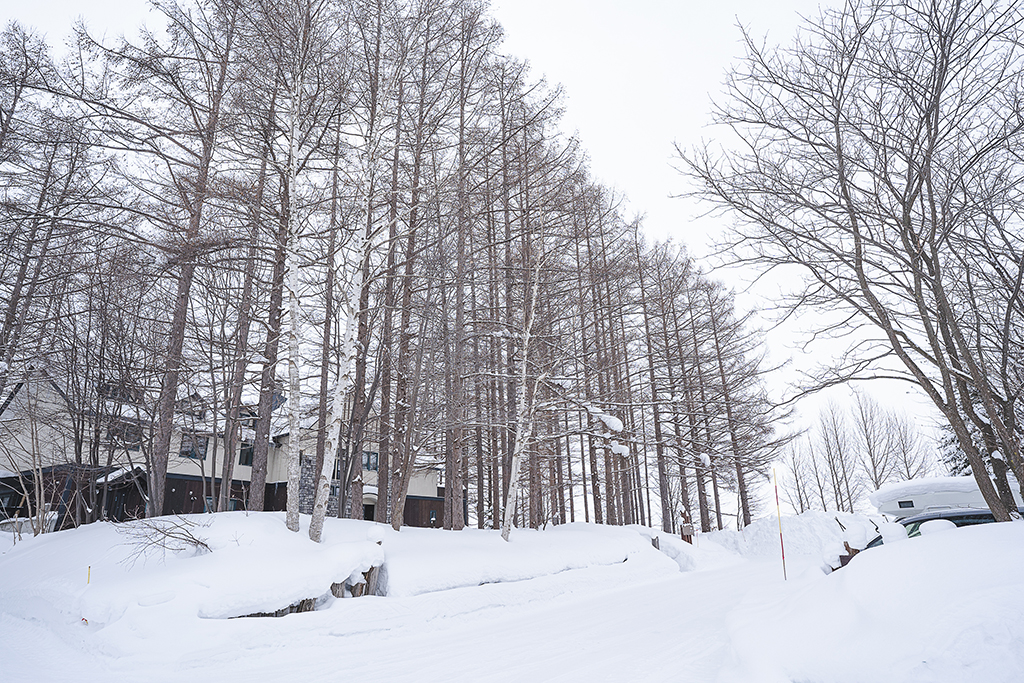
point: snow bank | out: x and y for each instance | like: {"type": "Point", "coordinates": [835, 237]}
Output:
{"type": "Point", "coordinates": [573, 603]}
{"type": "Point", "coordinates": [943, 608]}
{"type": "Point", "coordinates": [103, 572]}
{"type": "Point", "coordinates": [696, 556]}
{"type": "Point", "coordinates": [811, 533]}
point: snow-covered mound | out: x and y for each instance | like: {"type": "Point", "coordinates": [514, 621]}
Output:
{"type": "Point", "coordinates": [944, 608]}
{"type": "Point", "coordinates": [237, 564]}
{"type": "Point", "coordinates": [811, 533]}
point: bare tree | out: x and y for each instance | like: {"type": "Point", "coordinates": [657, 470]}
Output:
{"type": "Point", "coordinates": [872, 426]}
{"type": "Point", "coordinates": [872, 147]}
{"type": "Point", "coordinates": [911, 455]}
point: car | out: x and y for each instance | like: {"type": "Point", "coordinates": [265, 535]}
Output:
{"type": "Point", "coordinates": [959, 517]}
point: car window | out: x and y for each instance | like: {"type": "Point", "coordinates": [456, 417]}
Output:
{"type": "Point", "coordinates": [968, 520]}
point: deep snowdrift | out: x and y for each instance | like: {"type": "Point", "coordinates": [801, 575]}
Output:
{"type": "Point", "coordinates": [812, 533]}
{"type": "Point", "coordinates": [578, 602]}
{"type": "Point", "coordinates": [946, 607]}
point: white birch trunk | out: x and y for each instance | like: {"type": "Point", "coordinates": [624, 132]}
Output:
{"type": "Point", "coordinates": [524, 426]}
{"type": "Point", "coordinates": [341, 389]}
{"type": "Point", "coordinates": [346, 379]}
{"type": "Point", "coordinates": [526, 408]}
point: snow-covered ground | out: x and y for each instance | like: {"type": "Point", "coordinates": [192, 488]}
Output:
{"type": "Point", "coordinates": [572, 603]}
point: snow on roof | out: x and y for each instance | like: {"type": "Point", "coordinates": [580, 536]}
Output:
{"type": "Point", "coordinates": [916, 487]}
{"type": "Point", "coordinates": [113, 476]}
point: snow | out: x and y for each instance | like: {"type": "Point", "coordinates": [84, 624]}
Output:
{"type": "Point", "coordinates": [578, 602]}
{"type": "Point", "coordinates": [915, 487]}
{"type": "Point", "coordinates": [811, 534]}
{"type": "Point", "coordinates": [422, 561]}
{"type": "Point", "coordinates": [892, 532]}
{"type": "Point", "coordinates": [934, 526]}
{"type": "Point", "coordinates": [940, 608]}
{"type": "Point", "coordinates": [613, 423]}
{"type": "Point", "coordinates": [906, 498]}
{"type": "Point", "coordinates": [113, 476]}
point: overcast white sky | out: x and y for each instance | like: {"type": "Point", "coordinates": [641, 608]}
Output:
{"type": "Point", "coordinates": [638, 75]}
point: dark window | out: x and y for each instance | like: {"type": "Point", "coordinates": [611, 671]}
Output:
{"type": "Point", "coordinates": [370, 461]}
{"type": "Point", "coordinates": [193, 446]}
{"type": "Point", "coordinates": [127, 435]}
{"type": "Point", "coordinates": [906, 503]}
{"type": "Point", "coordinates": [970, 520]}
{"type": "Point", "coordinates": [245, 454]}
{"type": "Point", "coordinates": [368, 512]}
{"type": "Point", "coordinates": [10, 499]}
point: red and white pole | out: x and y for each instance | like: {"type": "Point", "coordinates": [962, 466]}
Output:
{"type": "Point", "coordinates": [778, 512]}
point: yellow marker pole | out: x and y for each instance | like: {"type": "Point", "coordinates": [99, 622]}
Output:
{"type": "Point", "coordinates": [778, 512]}
{"type": "Point", "coordinates": [88, 577]}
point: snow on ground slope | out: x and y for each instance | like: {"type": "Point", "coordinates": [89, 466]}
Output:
{"type": "Point", "coordinates": [424, 560]}
{"type": "Point", "coordinates": [947, 607]}
{"type": "Point", "coordinates": [573, 603]}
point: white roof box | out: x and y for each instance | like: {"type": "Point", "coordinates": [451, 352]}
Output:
{"type": "Point", "coordinates": [907, 498]}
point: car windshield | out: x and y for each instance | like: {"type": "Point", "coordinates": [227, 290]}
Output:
{"type": "Point", "coordinates": [914, 528]}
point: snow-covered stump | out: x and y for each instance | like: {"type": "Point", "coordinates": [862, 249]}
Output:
{"type": "Point", "coordinates": [348, 589]}
{"type": "Point", "coordinates": [341, 590]}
